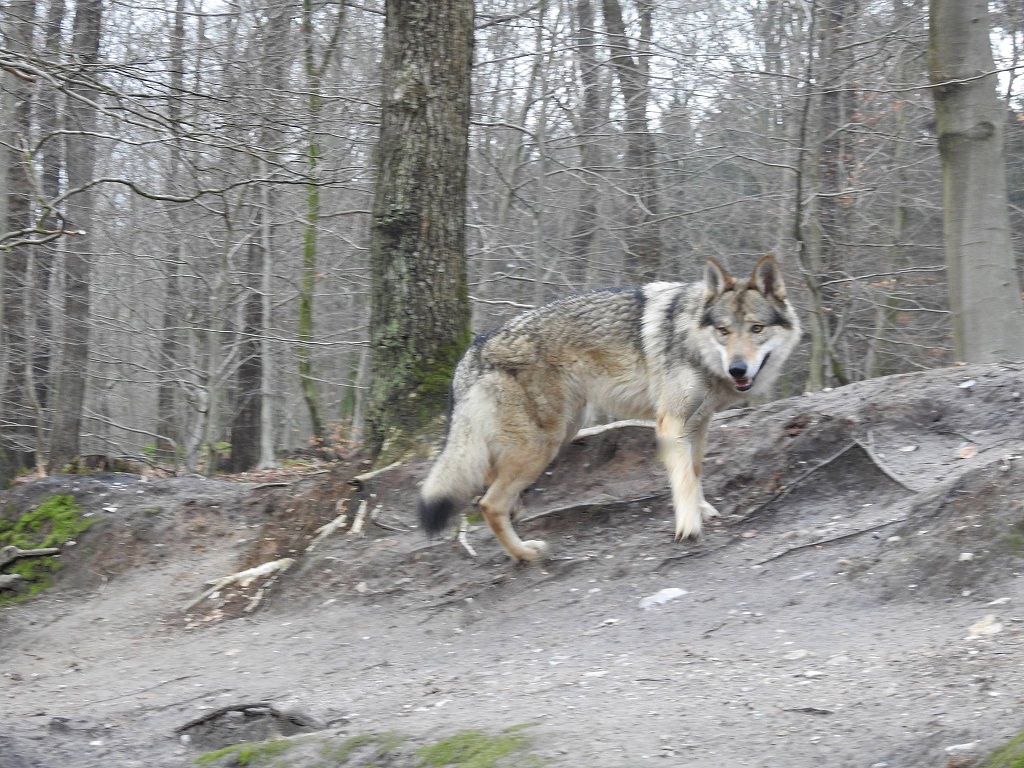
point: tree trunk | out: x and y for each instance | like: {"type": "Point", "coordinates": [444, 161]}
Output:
{"type": "Point", "coordinates": [81, 161]}
{"type": "Point", "coordinates": [307, 285]}
{"type": "Point", "coordinates": [419, 317]}
{"type": "Point", "coordinates": [884, 353]}
{"type": "Point", "coordinates": [46, 254]}
{"type": "Point", "coordinates": [834, 204]}
{"type": "Point", "coordinates": [168, 418]}
{"type": "Point", "coordinates": [248, 401]}
{"type": "Point", "coordinates": [643, 237]}
{"type": "Point", "coordinates": [17, 423]}
{"type": "Point", "coordinates": [984, 288]}
{"type": "Point", "coordinates": [585, 222]}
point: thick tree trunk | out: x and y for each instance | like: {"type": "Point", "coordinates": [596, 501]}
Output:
{"type": "Point", "coordinates": [984, 287]}
{"type": "Point", "coordinates": [17, 421]}
{"type": "Point", "coordinates": [419, 320]}
{"type": "Point", "coordinates": [81, 161]}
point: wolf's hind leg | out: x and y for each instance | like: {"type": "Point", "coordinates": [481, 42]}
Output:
{"type": "Point", "coordinates": [515, 471]}
{"type": "Point", "coordinates": [678, 451]}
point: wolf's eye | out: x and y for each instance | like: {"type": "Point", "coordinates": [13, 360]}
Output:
{"type": "Point", "coordinates": [756, 328]}
{"type": "Point", "coordinates": [722, 330]}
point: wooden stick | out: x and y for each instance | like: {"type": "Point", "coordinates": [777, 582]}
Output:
{"type": "Point", "coordinates": [11, 553]}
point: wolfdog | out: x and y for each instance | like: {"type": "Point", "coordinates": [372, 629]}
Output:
{"type": "Point", "coordinates": [672, 352]}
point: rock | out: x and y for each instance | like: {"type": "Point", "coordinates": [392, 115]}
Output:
{"type": "Point", "coordinates": [661, 597]}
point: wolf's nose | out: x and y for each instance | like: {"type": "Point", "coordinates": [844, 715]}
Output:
{"type": "Point", "coordinates": [738, 369]}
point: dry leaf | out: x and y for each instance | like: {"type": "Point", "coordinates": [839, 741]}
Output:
{"type": "Point", "coordinates": [967, 451]}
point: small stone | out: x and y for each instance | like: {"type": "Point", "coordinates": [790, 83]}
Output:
{"type": "Point", "coordinates": [985, 627]}
{"type": "Point", "coordinates": [965, 557]}
{"type": "Point", "coordinates": [661, 597]}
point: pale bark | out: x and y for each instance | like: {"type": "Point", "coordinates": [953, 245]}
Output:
{"type": "Point", "coordinates": [984, 287]}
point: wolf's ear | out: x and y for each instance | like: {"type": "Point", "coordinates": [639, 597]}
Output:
{"type": "Point", "coordinates": [767, 278]}
{"type": "Point", "coordinates": [716, 280]}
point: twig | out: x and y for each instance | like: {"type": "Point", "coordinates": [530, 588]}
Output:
{"type": "Point", "coordinates": [361, 479]}
{"type": "Point", "coordinates": [329, 528]}
{"type": "Point", "coordinates": [244, 578]}
{"type": "Point", "coordinates": [821, 542]}
{"type": "Point", "coordinates": [360, 518]}
{"type": "Point", "coordinates": [792, 486]}
{"type": "Point", "coordinates": [461, 537]}
{"type": "Point", "coordinates": [589, 504]}
{"type": "Point", "coordinates": [375, 520]}
{"type": "Point", "coordinates": [600, 428]}
{"type": "Point", "coordinates": [866, 447]}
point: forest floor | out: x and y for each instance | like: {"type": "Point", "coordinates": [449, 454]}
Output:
{"type": "Point", "coordinates": [860, 602]}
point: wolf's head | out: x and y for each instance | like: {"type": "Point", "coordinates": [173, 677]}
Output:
{"type": "Point", "coordinates": [747, 328]}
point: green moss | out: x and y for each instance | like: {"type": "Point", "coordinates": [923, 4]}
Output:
{"type": "Point", "coordinates": [382, 745]}
{"type": "Point", "coordinates": [473, 749]}
{"type": "Point", "coordinates": [51, 524]}
{"type": "Point", "coordinates": [1010, 755]}
{"type": "Point", "coordinates": [249, 753]}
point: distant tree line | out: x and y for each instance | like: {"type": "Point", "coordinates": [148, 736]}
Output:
{"type": "Point", "coordinates": [192, 195]}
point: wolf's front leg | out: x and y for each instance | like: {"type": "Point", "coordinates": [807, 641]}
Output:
{"type": "Point", "coordinates": [700, 442]}
{"type": "Point", "coordinates": [678, 452]}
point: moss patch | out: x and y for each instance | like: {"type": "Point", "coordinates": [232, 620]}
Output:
{"type": "Point", "coordinates": [51, 524]}
{"type": "Point", "coordinates": [1010, 755]}
{"type": "Point", "coordinates": [369, 747]}
{"type": "Point", "coordinates": [250, 753]}
{"type": "Point", "coordinates": [476, 749]}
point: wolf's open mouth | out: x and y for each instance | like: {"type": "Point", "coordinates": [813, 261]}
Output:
{"type": "Point", "coordinates": [742, 385]}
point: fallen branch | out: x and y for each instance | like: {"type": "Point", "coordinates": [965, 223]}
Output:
{"type": "Point", "coordinates": [461, 537]}
{"type": "Point", "coordinates": [329, 528]}
{"type": "Point", "coordinates": [600, 428]}
{"type": "Point", "coordinates": [244, 578]}
{"type": "Point", "coordinates": [361, 479]}
{"type": "Point", "coordinates": [833, 539]}
{"type": "Point", "coordinates": [589, 504]}
{"type": "Point", "coordinates": [360, 518]}
{"type": "Point", "coordinates": [11, 553]}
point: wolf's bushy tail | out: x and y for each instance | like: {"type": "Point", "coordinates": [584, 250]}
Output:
{"type": "Point", "coordinates": [457, 475]}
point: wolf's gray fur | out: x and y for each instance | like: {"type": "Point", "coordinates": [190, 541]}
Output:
{"type": "Point", "coordinates": [674, 352]}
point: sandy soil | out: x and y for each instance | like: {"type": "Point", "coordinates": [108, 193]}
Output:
{"type": "Point", "coordinates": [859, 603]}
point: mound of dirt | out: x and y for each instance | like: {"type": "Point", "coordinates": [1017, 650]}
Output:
{"type": "Point", "coordinates": [856, 604]}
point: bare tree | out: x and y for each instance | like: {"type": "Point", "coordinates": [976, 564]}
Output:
{"type": "Point", "coordinates": [643, 237]}
{"type": "Point", "coordinates": [78, 214]}
{"type": "Point", "coordinates": [419, 322]}
{"type": "Point", "coordinates": [18, 419]}
{"type": "Point", "coordinates": [984, 288]}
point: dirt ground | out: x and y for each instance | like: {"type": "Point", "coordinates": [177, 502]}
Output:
{"type": "Point", "coordinates": [859, 603]}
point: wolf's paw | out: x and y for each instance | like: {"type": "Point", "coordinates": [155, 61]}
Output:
{"type": "Point", "coordinates": [688, 526]}
{"type": "Point", "coordinates": [533, 550]}
{"type": "Point", "coordinates": [707, 511]}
